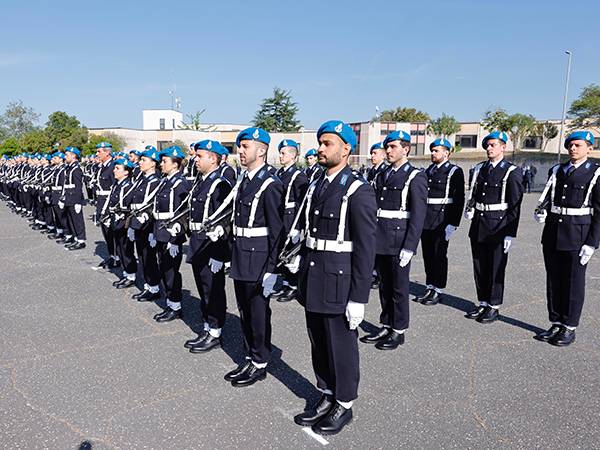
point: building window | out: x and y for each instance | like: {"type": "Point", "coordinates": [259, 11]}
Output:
{"type": "Point", "coordinates": [532, 143]}
{"type": "Point", "coordinates": [173, 123]}
{"type": "Point", "coordinates": [161, 125]}
{"type": "Point", "coordinates": [466, 140]}
{"type": "Point", "coordinates": [417, 132]}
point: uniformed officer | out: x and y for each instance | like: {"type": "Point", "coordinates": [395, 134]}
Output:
{"type": "Point", "coordinates": [118, 205]}
{"type": "Point", "coordinates": [295, 184]}
{"type": "Point", "coordinates": [334, 274]}
{"type": "Point", "coordinates": [401, 192]}
{"type": "Point", "coordinates": [169, 237]}
{"type": "Point", "coordinates": [445, 203]}
{"type": "Point", "coordinates": [225, 170]}
{"type": "Point", "coordinates": [141, 224]}
{"type": "Point", "coordinates": [257, 203]}
{"type": "Point", "coordinates": [208, 248]}
{"type": "Point", "coordinates": [494, 207]}
{"type": "Point", "coordinates": [104, 181]}
{"type": "Point", "coordinates": [56, 187]}
{"type": "Point", "coordinates": [191, 171]}
{"type": "Point", "coordinates": [570, 208]}
{"type": "Point", "coordinates": [134, 156]}
{"type": "Point", "coordinates": [378, 161]}
{"type": "Point", "coordinates": [312, 170]}
{"type": "Point", "coordinates": [72, 199]}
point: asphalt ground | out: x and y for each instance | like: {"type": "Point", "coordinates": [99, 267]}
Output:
{"type": "Point", "coordinates": [84, 366]}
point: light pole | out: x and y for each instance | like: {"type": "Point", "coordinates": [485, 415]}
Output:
{"type": "Point", "coordinates": [564, 111]}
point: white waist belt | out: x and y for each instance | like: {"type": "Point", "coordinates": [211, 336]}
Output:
{"type": "Point", "coordinates": [69, 186]}
{"type": "Point", "coordinates": [163, 215]}
{"type": "Point", "coordinates": [190, 178]}
{"type": "Point", "coordinates": [136, 205]}
{"type": "Point", "coordinates": [326, 245]}
{"type": "Point", "coordinates": [393, 214]}
{"type": "Point", "coordinates": [195, 226]}
{"type": "Point", "coordinates": [101, 192]}
{"type": "Point", "coordinates": [250, 232]}
{"type": "Point", "coordinates": [290, 205]}
{"type": "Point", "coordinates": [491, 207]}
{"type": "Point", "coordinates": [56, 188]}
{"type": "Point", "coordinates": [440, 201]}
{"type": "Point", "coordinates": [572, 211]}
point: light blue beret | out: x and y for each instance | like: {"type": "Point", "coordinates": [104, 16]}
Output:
{"type": "Point", "coordinates": [579, 135]}
{"type": "Point", "coordinates": [341, 129]}
{"type": "Point", "coordinates": [253, 134]}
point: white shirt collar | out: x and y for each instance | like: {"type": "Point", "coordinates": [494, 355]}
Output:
{"type": "Point", "coordinates": [494, 164]}
{"type": "Point", "coordinates": [251, 174]}
{"type": "Point", "coordinates": [331, 177]}
{"type": "Point", "coordinates": [576, 165]}
{"type": "Point", "coordinates": [204, 177]}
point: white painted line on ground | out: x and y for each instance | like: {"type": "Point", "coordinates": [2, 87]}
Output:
{"type": "Point", "coordinates": [320, 439]}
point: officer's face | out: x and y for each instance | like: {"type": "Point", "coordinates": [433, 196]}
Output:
{"type": "Point", "coordinates": [287, 155]}
{"type": "Point", "coordinates": [147, 164]}
{"type": "Point", "coordinates": [332, 150]}
{"type": "Point", "coordinates": [103, 154]}
{"type": "Point", "coordinates": [396, 152]}
{"type": "Point", "coordinates": [495, 149]}
{"type": "Point", "coordinates": [206, 161]}
{"type": "Point", "coordinates": [250, 153]}
{"type": "Point", "coordinates": [133, 157]}
{"type": "Point", "coordinates": [439, 154]}
{"type": "Point", "coordinates": [579, 149]}
{"type": "Point", "coordinates": [377, 156]}
{"type": "Point", "coordinates": [311, 160]}
{"type": "Point", "coordinates": [119, 172]}
{"type": "Point", "coordinates": [167, 165]}
{"type": "Point", "coordinates": [69, 157]}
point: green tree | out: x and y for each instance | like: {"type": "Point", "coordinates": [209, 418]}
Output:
{"type": "Point", "coordinates": [497, 120]}
{"type": "Point", "coordinates": [66, 130]}
{"type": "Point", "coordinates": [585, 111]}
{"type": "Point", "coordinates": [401, 114]}
{"type": "Point", "coordinates": [118, 143]}
{"type": "Point", "coordinates": [17, 120]}
{"type": "Point", "coordinates": [278, 113]}
{"type": "Point", "coordinates": [10, 146]}
{"type": "Point", "coordinates": [193, 122]}
{"type": "Point", "coordinates": [518, 126]}
{"type": "Point", "coordinates": [36, 141]}
{"type": "Point", "coordinates": [546, 130]}
{"type": "Point", "coordinates": [443, 126]}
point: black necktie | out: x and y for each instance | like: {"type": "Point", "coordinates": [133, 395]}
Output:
{"type": "Point", "coordinates": [322, 187]}
{"type": "Point", "coordinates": [434, 170]}
{"type": "Point", "coordinates": [570, 170]}
{"type": "Point", "coordinates": [387, 175]}
{"type": "Point", "coordinates": [245, 182]}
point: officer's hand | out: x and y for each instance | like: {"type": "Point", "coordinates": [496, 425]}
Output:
{"type": "Point", "coordinates": [355, 313]}
{"type": "Point", "coordinates": [450, 229]}
{"type": "Point", "coordinates": [540, 217]}
{"type": "Point", "coordinates": [77, 209]}
{"type": "Point", "coordinates": [61, 205]}
{"type": "Point", "coordinates": [585, 254]}
{"type": "Point", "coordinates": [405, 257]}
{"type": "Point", "coordinates": [215, 234]}
{"type": "Point", "coordinates": [215, 265]}
{"type": "Point", "coordinates": [294, 265]}
{"type": "Point", "coordinates": [507, 243]}
{"type": "Point", "coordinates": [173, 249]}
{"type": "Point", "coordinates": [469, 213]}
{"type": "Point", "coordinates": [295, 236]}
{"type": "Point", "coordinates": [174, 230]}
{"type": "Point", "coordinates": [152, 240]}
{"type": "Point", "coordinates": [131, 234]}
{"type": "Point", "coordinates": [268, 283]}
{"type": "Point", "coordinates": [143, 218]}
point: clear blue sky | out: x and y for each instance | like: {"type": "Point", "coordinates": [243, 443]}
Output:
{"type": "Point", "coordinates": [107, 61]}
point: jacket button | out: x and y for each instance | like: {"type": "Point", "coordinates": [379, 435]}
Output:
{"type": "Point", "coordinates": [330, 215]}
{"type": "Point", "coordinates": [312, 263]}
{"type": "Point", "coordinates": [483, 193]}
{"type": "Point", "coordinates": [481, 214]}
{"type": "Point", "coordinates": [314, 230]}
{"type": "Point", "coordinates": [341, 271]}
{"type": "Point", "coordinates": [252, 248]}
{"type": "Point", "coordinates": [381, 198]}
{"type": "Point", "coordinates": [560, 220]}
{"type": "Point", "coordinates": [316, 212]}
{"type": "Point", "coordinates": [564, 185]}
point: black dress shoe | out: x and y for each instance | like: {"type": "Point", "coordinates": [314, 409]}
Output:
{"type": "Point", "coordinates": [103, 263]}
{"type": "Point", "coordinates": [77, 246]}
{"type": "Point", "coordinates": [381, 335]}
{"type": "Point", "coordinates": [250, 376]}
{"type": "Point", "coordinates": [489, 315]}
{"type": "Point", "coordinates": [335, 420]}
{"type": "Point", "coordinates": [287, 296]}
{"type": "Point", "coordinates": [207, 344]}
{"type": "Point", "coordinates": [475, 313]}
{"type": "Point", "coordinates": [563, 338]}
{"type": "Point", "coordinates": [433, 299]}
{"type": "Point", "coordinates": [169, 315]}
{"type": "Point", "coordinates": [423, 297]}
{"type": "Point", "coordinates": [112, 264]}
{"type": "Point", "coordinates": [230, 376]}
{"type": "Point", "coordinates": [119, 281]}
{"type": "Point", "coordinates": [191, 342]}
{"type": "Point", "coordinates": [70, 244]}
{"type": "Point", "coordinates": [126, 284]}
{"type": "Point", "coordinates": [545, 336]}
{"type": "Point", "coordinates": [316, 413]}
{"type": "Point", "coordinates": [275, 295]}
{"type": "Point", "coordinates": [53, 235]}
{"type": "Point", "coordinates": [392, 341]}
{"type": "Point", "coordinates": [148, 296]}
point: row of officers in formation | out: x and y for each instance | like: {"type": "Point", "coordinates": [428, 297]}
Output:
{"type": "Point", "coordinates": [318, 235]}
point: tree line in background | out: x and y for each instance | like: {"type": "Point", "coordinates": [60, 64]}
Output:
{"type": "Point", "coordinates": [278, 113]}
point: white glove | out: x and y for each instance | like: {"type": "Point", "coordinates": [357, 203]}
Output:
{"type": "Point", "coordinates": [151, 240]}
{"type": "Point", "coordinates": [48, 200]}
{"type": "Point", "coordinates": [355, 313]}
{"type": "Point", "coordinates": [295, 236]}
{"type": "Point", "coordinates": [405, 257]}
{"type": "Point", "coordinates": [469, 213]}
{"type": "Point", "coordinates": [268, 283]}
{"type": "Point", "coordinates": [131, 234]}
{"type": "Point", "coordinates": [174, 230]}
{"type": "Point", "coordinates": [294, 265]}
{"type": "Point", "coordinates": [142, 218]}
{"type": "Point", "coordinates": [77, 209]}
{"type": "Point", "coordinates": [541, 216]}
{"type": "Point", "coordinates": [61, 205]}
{"type": "Point", "coordinates": [450, 229]}
{"type": "Point", "coordinates": [173, 249]}
{"type": "Point", "coordinates": [215, 234]}
{"type": "Point", "coordinates": [215, 265]}
{"type": "Point", "coordinates": [585, 253]}
{"type": "Point", "coordinates": [507, 244]}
